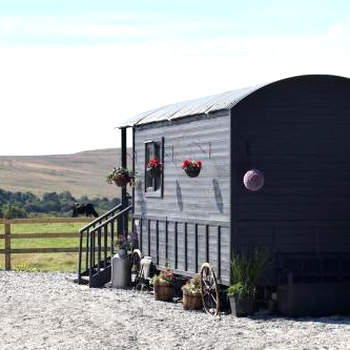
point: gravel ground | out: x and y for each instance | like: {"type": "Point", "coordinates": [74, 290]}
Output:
{"type": "Point", "coordinates": [48, 311]}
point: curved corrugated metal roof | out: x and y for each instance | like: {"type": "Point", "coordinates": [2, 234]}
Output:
{"type": "Point", "coordinates": [207, 104]}
{"type": "Point", "coordinates": [202, 105]}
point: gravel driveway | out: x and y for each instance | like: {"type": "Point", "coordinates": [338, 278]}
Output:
{"type": "Point", "coordinates": [48, 311]}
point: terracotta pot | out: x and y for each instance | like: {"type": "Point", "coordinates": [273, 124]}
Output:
{"type": "Point", "coordinates": [121, 180]}
{"type": "Point", "coordinates": [242, 306]}
{"type": "Point", "coordinates": [192, 171]}
{"type": "Point", "coordinates": [192, 302]}
{"type": "Point", "coordinates": [163, 291]}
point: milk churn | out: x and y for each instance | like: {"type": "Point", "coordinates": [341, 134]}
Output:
{"type": "Point", "coordinates": [121, 269]}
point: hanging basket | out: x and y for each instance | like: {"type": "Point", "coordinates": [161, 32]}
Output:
{"type": "Point", "coordinates": [192, 302]}
{"type": "Point", "coordinates": [154, 171]}
{"type": "Point", "coordinates": [163, 291]}
{"type": "Point", "coordinates": [121, 180]}
{"type": "Point", "coordinates": [192, 171]}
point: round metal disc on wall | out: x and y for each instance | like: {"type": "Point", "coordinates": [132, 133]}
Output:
{"type": "Point", "coordinates": [253, 180]}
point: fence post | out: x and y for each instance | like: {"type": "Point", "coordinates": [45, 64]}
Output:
{"type": "Point", "coordinates": [7, 226]}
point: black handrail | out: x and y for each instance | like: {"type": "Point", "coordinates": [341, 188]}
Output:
{"type": "Point", "coordinates": [92, 223]}
{"type": "Point", "coordinates": [86, 230]}
{"type": "Point", "coordinates": [99, 230]}
{"type": "Point", "coordinates": [113, 218]}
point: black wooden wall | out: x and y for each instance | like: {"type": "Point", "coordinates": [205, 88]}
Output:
{"type": "Point", "coordinates": [297, 132]}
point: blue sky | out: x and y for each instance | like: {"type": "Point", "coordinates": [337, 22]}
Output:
{"type": "Point", "coordinates": [79, 68]}
{"type": "Point", "coordinates": [51, 23]}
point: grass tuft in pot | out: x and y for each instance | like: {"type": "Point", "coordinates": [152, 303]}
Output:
{"type": "Point", "coordinates": [247, 269]}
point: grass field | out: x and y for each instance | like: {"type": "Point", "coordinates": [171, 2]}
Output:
{"type": "Point", "coordinates": [44, 261]}
{"type": "Point", "coordinates": [81, 173]}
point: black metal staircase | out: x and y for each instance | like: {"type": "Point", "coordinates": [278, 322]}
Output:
{"type": "Point", "coordinates": [96, 246]}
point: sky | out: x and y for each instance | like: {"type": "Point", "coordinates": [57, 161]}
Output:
{"type": "Point", "coordinates": [72, 71]}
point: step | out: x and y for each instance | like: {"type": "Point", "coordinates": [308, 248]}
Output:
{"type": "Point", "coordinates": [83, 280]}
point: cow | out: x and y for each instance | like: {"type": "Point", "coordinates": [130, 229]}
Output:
{"type": "Point", "coordinates": [81, 209]}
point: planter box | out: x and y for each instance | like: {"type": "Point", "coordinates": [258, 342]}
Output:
{"type": "Point", "coordinates": [241, 307]}
{"type": "Point", "coordinates": [192, 302]}
{"type": "Point", "coordinates": [163, 292]}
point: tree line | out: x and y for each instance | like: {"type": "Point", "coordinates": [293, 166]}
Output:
{"type": "Point", "coordinates": [27, 204]}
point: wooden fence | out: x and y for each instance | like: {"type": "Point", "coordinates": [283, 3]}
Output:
{"type": "Point", "coordinates": [8, 236]}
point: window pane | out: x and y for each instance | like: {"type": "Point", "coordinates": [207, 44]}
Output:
{"type": "Point", "coordinates": [153, 181]}
{"type": "Point", "coordinates": [149, 152]}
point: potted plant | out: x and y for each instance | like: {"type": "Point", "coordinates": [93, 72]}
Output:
{"type": "Point", "coordinates": [123, 245]}
{"type": "Point", "coordinates": [154, 167]}
{"type": "Point", "coordinates": [121, 177]}
{"type": "Point", "coordinates": [192, 167]}
{"type": "Point", "coordinates": [163, 285]}
{"type": "Point", "coordinates": [192, 296]}
{"type": "Point", "coordinates": [242, 299]}
{"type": "Point", "coordinates": [247, 269]}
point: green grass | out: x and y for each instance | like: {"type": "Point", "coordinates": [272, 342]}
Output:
{"type": "Point", "coordinates": [43, 261]}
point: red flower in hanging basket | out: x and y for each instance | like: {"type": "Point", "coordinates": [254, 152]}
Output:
{"type": "Point", "coordinates": [191, 163]}
{"type": "Point", "coordinates": [154, 163]}
{"type": "Point", "coordinates": [192, 167]}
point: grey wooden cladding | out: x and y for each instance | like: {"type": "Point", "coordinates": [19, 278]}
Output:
{"type": "Point", "coordinates": [206, 196]}
{"type": "Point", "coordinates": [174, 228]}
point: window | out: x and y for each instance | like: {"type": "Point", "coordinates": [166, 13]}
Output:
{"type": "Point", "coordinates": [154, 180]}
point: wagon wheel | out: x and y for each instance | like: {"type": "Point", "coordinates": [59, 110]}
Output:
{"type": "Point", "coordinates": [209, 288]}
{"type": "Point", "coordinates": [135, 262]}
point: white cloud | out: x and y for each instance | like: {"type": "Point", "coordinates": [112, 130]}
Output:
{"type": "Point", "coordinates": [335, 31]}
{"type": "Point", "coordinates": [119, 26]}
{"type": "Point", "coordinates": [61, 100]}
{"type": "Point", "coordinates": [43, 26]}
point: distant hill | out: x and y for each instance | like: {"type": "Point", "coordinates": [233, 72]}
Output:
{"type": "Point", "coordinates": [80, 173]}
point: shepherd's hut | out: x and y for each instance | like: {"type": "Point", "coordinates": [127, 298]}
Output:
{"type": "Point", "coordinates": [275, 173]}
